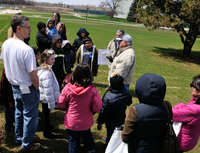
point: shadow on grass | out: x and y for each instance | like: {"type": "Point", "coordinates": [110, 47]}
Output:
{"type": "Point", "coordinates": [177, 54]}
{"type": "Point", "coordinates": [101, 85]}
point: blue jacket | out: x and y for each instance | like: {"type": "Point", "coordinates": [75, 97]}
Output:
{"type": "Point", "coordinates": [114, 107]}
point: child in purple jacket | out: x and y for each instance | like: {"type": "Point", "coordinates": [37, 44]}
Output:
{"type": "Point", "coordinates": [189, 115]}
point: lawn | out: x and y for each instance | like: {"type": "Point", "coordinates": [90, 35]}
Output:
{"type": "Point", "coordinates": [156, 52]}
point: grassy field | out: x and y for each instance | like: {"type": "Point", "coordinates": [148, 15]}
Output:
{"type": "Point", "coordinates": [156, 52]}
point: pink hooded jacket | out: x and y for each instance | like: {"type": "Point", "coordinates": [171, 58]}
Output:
{"type": "Point", "coordinates": [189, 115]}
{"type": "Point", "coordinates": [80, 104]}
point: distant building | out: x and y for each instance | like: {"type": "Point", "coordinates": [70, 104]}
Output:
{"type": "Point", "coordinates": [123, 10]}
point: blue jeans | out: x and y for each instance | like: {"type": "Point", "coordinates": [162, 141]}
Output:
{"type": "Point", "coordinates": [74, 141]}
{"type": "Point", "coordinates": [26, 115]}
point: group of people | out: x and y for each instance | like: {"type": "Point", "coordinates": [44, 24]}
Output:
{"type": "Point", "coordinates": [52, 80]}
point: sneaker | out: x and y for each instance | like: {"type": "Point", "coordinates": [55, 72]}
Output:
{"type": "Point", "coordinates": [34, 147]}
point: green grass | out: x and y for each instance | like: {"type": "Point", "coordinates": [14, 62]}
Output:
{"type": "Point", "coordinates": [156, 52]}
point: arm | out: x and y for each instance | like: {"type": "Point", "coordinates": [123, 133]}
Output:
{"type": "Point", "coordinates": [47, 84]}
{"type": "Point", "coordinates": [129, 124]}
{"type": "Point", "coordinates": [97, 102]}
{"type": "Point", "coordinates": [78, 54]}
{"type": "Point", "coordinates": [30, 64]}
{"type": "Point", "coordinates": [95, 63]}
{"type": "Point", "coordinates": [34, 79]}
{"type": "Point", "coordinates": [63, 98]}
{"type": "Point", "coordinates": [184, 112]}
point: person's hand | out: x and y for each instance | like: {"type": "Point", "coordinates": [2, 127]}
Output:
{"type": "Point", "coordinates": [99, 126]}
{"type": "Point", "coordinates": [109, 58]}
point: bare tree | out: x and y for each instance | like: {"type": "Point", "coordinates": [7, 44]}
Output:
{"type": "Point", "coordinates": [112, 5]}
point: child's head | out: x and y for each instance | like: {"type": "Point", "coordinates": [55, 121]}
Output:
{"type": "Point", "coordinates": [50, 23]}
{"type": "Point", "coordinates": [41, 27]}
{"type": "Point", "coordinates": [66, 44]}
{"type": "Point", "coordinates": [150, 89]}
{"type": "Point", "coordinates": [195, 85]}
{"type": "Point", "coordinates": [56, 41]}
{"type": "Point", "coordinates": [47, 57]}
{"type": "Point", "coordinates": [81, 75]}
{"type": "Point", "coordinates": [88, 43]}
{"type": "Point", "coordinates": [116, 82]}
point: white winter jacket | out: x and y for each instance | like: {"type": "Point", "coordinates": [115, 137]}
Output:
{"type": "Point", "coordinates": [124, 64]}
{"type": "Point", "coordinates": [49, 87]}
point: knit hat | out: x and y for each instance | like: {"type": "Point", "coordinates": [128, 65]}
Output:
{"type": "Point", "coordinates": [127, 38]}
{"type": "Point", "coordinates": [41, 25]}
{"type": "Point", "coordinates": [64, 42]}
{"type": "Point", "coordinates": [116, 82]}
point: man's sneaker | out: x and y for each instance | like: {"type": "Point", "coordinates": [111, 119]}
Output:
{"type": "Point", "coordinates": [34, 147]}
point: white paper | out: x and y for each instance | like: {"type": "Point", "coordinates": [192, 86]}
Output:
{"type": "Point", "coordinates": [177, 127]}
{"type": "Point", "coordinates": [102, 53]}
{"type": "Point", "coordinates": [25, 89]}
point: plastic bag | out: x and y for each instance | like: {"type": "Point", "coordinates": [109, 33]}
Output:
{"type": "Point", "coordinates": [177, 127]}
{"type": "Point", "coordinates": [116, 145]}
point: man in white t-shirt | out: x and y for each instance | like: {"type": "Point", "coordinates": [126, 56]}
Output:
{"type": "Point", "coordinates": [20, 67]}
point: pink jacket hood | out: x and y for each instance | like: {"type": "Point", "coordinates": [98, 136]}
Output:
{"type": "Point", "coordinates": [78, 90]}
{"type": "Point", "coordinates": [189, 115]}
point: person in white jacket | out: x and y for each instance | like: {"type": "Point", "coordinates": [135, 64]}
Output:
{"type": "Point", "coordinates": [49, 89]}
{"type": "Point", "coordinates": [124, 63]}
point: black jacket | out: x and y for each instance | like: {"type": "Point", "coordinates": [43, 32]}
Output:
{"type": "Point", "coordinates": [114, 107]}
{"type": "Point", "coordinates": [43, 42]}
{"type": "Point", "coordinates": [79, 41]}
{"type": "Point", "coordinates": [150, 125]}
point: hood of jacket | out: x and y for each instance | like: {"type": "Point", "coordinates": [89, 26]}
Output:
{"type": "Point", "coordinates": [82, 30]}
{"type": "Point", "coordinates": [78, 90]}
{"type": "Point", "coordinates": [150, 89]}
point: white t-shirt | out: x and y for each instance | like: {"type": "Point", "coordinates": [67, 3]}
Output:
{"type": "Point", "coordinates": [19, 61]}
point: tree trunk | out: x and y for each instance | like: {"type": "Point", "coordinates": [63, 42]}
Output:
{"type": "Point", "coordinates": [188, 43]}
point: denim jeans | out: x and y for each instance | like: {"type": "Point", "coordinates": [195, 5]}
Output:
{"type": "Point", "coordinates": [26, 115]}
{"type": "Point", "coordinates": [74, 141]}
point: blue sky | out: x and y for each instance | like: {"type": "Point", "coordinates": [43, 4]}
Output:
{"type": "Point", "coordinates": [74, 2]}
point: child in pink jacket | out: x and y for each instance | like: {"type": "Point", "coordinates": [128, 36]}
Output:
{"type": "Point", "coordinates": [189, 115]}
{"type": "Point", "coordinates": [81, 100]}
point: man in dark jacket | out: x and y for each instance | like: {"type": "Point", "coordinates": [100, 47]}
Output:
{"type": "Point", "coordinates": [145, 122]}
{"type": "Point", "coordinates": [42, 40]}
{"type": "Point", "coordinates": [82, 34]}
{"type": "Point", "coordinates": [115, 102]}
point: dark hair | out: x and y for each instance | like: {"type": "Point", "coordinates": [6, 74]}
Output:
{"type": "Point", "coordinates": [196, 82]}
{"type": "Point", "coordinates": [18, 20]}
{"type": "Point", "coordinates": [41, 25]}
{"type": "Point", "coordinates": [81, 75]}
{"type": "Point", "coordinates": [122, 31]}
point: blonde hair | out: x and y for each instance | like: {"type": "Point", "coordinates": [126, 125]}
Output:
{"type": "Point", "coordinates": [45, 56]}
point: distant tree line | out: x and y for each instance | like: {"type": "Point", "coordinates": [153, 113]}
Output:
{"type": "Point", "coordinates": [13, 2]}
